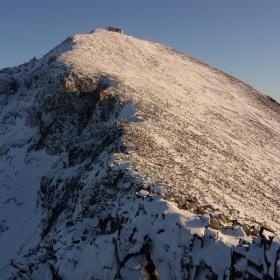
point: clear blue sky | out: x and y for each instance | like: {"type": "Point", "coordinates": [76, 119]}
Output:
{"type": "Point", "coordinates": [239, 37]}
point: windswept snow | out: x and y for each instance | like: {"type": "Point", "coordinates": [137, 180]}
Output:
{"type": "Point", "coordinates": [205, 133]}
{"type": "Point", "coordinates": [124, 159]}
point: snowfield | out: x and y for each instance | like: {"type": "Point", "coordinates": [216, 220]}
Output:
{"type": "Point", "coordinates": [125, 159]}
{"type": "Point", "coordinates": [205, 134]}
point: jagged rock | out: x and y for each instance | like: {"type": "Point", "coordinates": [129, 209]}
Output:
{"type": "Point", "coordinates": [214, 223]}
{"type": "Point", "coordinates": [200, 210]}
{"type": "Point", "coordinates": [223, 219]}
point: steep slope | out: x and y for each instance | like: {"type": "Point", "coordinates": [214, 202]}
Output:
{"type": "Point", "coordinates": [217, 138]}
{"type": "Point", "coordinates": [100, 133]}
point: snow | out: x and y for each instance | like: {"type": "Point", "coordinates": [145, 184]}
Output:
{"type": "Point", "coordinates": [190, 134]}
{"type": "Point", "coordinates": [166, 84]}
{"type": "Point", "coordinates": [134, 268]}
{"type": "Point", "coordinates": [272, 253]}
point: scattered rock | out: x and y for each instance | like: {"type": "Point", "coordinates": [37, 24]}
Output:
{"type": "Point", "coordinates": [214, 223]}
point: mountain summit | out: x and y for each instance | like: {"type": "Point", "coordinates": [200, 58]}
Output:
{"type": "Point", "coordinates": [125, 159]}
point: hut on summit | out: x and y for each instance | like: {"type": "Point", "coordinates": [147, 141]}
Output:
{"type": "Point", "coordinates": [115, 30]}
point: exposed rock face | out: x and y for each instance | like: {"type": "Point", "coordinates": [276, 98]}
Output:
{"type": "Point", "coordinates": [123, 159]}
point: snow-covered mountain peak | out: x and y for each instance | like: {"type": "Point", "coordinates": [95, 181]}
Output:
{"type": "Point", "coordinates": [190, 107]}
{"type": "Point", "coordinates": [124, 159]}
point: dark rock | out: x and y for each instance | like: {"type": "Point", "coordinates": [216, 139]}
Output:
{"type": "Point", "coordinates": [214, 223]}
{"type": "Point", "coordinates": [200, 210]}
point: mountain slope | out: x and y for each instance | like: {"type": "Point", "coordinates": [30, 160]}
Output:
{"type": "Point", "coordinates": [100, 133]}
{"type": "Point", "coordinates": [203, 108]}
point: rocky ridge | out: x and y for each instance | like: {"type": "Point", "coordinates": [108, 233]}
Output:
{"type": "Point", "coordinates": [111, 169]}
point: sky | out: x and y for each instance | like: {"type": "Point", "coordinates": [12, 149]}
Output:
{"type": "Point", "coordinates": [238, 37]}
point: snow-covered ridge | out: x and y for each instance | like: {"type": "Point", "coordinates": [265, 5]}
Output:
{"type": "Point", "coordinates": [216, 135]}
{"type": "Point", "coordinates": [138, 158]}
